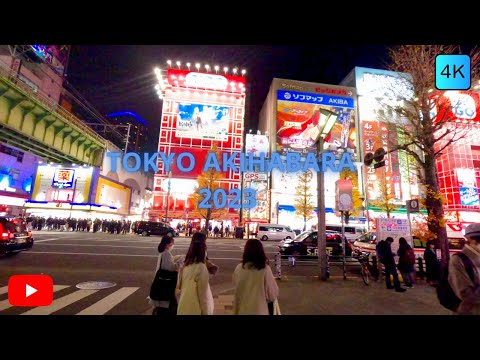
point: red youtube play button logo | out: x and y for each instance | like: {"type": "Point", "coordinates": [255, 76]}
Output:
{"type": "Point", "coordinates": [30, 290]}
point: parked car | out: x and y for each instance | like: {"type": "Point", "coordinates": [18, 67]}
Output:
{"type": "Point", "coordinates": [147, 228]}
{"type": "Point", "coordinates": [368, 243]}
{"type": "Point", "coordinates": [274, 232]}
{"type": "Point", "coordinates": [14, 236]}
{"type": "Point", "coordinates": [306, 244]}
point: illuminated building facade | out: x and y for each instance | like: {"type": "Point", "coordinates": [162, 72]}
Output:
{"type": "Point", "coordinates": [290, 115]}
{"type": "Point", "coordinates": [199, 109]}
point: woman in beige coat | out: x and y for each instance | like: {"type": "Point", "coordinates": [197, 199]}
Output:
{"type": "Point", "coordinates": [195, 294]}
{"type": "Point", "coordinates": [255, 285]}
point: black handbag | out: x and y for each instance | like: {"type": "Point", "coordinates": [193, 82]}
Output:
{"type": "Point", "coordinates": [164, 284]}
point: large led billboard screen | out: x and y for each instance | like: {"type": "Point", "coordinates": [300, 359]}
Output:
{"type": "Point", "coordinates": [203, 121]}
{"type": "Point", "coordinates": [300, 114]}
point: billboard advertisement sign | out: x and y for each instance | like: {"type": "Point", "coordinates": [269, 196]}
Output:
{"type": "Point", "coordinates": [200, 80]}
{"type": "Point", "coordinates": [256, 144]}
{"type": "Point", "coordinates": [300, 115]}
{"type": "Point", "coordinates": [54, 55]}
{"type": "Point", "coordinates": [458, 105]}
{"type": "Point", "coordinates": [203, 121]}
{"type": "Point", "coordinates": [469, 196]}
{"type": "Point", "coordinates": [394, 228]}
{"type": "Point", "coordinates": [63, 178]}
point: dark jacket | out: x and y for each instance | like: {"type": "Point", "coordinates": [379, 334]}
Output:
{"type": "Point", "coordinates": [385, 249]}
{"type": "Point", "coordinates": [431, 264]}
{"type": "Point", "coordinates": [403, 262]}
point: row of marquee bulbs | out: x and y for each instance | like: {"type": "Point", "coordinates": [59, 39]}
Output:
{"type": "Point", "coordinates": [207, 67]}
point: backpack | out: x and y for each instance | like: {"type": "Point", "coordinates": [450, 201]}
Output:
{"type": "Point", "coordinates": [445, 293]}
{"type": "Point", "coordinates": [410, 257]}
{"type": "Point", "coordinates": [380, 250]}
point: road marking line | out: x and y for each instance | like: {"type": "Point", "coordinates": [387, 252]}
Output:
{"type": "Point", "coordinates": [109, 302]}
{"type": "Point", "coordinates": [45, 240]}
{"type": "Point", "coordinates": [77, 253]}
{"type": "Point", "coordinates": [5, 304]}
{"type": "Point", "coordinates": [3, 290]}
{"type": "Point", "coordinates": [60, 303]}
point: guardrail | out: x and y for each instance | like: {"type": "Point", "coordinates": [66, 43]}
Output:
{"type": "Point", "coordinates": [12, 79]}
{"type": "Point", "coordinates": [294, 260]}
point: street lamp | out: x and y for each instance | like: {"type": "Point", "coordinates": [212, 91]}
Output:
{"type": "Point", "coordinates": [168, 196]}
{"type": "Point", "coordinates": [325, 125]}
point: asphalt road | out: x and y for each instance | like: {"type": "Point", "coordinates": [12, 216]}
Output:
{"type": "Point", "coordinates": [127, 260]}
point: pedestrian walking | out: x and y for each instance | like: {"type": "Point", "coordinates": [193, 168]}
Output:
{"type": "Point", "coordinates": [166, 261]}
{"type": "Point", "coordinates": [465, 287]}
{"type": "Point", "coordinates": [255, 285]}
{"type": "Point", "coordinates": [193, 283]}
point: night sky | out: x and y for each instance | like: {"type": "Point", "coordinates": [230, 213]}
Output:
{"type": "Point", "coordinates": [120, 77]}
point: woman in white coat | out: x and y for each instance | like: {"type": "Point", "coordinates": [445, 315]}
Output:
{"type": "Point", "coordinates": [255, 284]}
{"type": "Point", "coordinates": [167, 262]}
{"type": "Point", "coordinates": [193, 282]}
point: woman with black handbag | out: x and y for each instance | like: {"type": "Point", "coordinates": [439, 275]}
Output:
{"type": "Point", "coordinates": [166, 270]}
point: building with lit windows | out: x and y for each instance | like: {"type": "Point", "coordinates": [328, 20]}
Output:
{"type": "Point", "coordinates": [200, 109]}
{"type": "Point", "coordinates": [458, 166]}
{"type": "Point", "coordinates": [290, 115]}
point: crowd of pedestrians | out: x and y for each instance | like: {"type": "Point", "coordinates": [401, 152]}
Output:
{"type": "Point", "coordinates": [72, 224]}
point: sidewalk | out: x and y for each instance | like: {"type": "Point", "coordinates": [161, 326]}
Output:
{"type": "Point", "coordinates": [301, 295]}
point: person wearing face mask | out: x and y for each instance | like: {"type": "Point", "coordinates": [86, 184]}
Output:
{"type": "Point", "coordinates": [465, 286]}
{"type": "Point", "coordinates": [167, 262]}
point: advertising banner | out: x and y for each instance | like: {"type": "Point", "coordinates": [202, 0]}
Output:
{"type": "Point", "coordinates": [260, 211]}
{"type": "Point", "coordinates": [394, 228]}
{"type": "Point", "coordinates": [203, 121]}
{"type": "Point", "coordinates": [469, 196]}
{"type": "Point", "coordinates": [54, 55]}
{"type": "Point", "coordinates": [111, 193]}
{"type": "Point", "coordinates": [300, 116]}
{"type": "Point", "coordinates": [200, 80]}
{"type": "Point", "coordinates": [256, 144]}
{"type": "Point", "coordinates": [63, 178]}
{"type": "Point", "coordinates": [458, 105]}
{"type": "Point", "coordinates": [54, 183]}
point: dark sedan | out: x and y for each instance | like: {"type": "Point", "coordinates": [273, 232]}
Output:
{"type": "Point", "coordinates": [14, 236]}
{"type": "Point", "coordinates": [147, 228]}
{"type": "Point", "coordinates": [306, 244]}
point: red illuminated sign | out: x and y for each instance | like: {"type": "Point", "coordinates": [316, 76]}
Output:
{"type": "Point", "coordinates": [458, 106]}
{"type": "Point", "coordinates": [200, 80]}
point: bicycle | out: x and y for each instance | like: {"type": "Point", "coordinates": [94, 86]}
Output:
{"type": "Point", "coordinates": [363, 259]}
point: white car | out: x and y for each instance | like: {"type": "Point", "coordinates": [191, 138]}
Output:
{"type": "Point", "coordinates": [274, 232]}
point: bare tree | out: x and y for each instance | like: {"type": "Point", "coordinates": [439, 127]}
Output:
{"type": "Point", "coordinates": [423, 117]}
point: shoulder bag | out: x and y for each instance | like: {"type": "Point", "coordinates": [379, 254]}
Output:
{"type": "Point", "coordinates": [163, 285]}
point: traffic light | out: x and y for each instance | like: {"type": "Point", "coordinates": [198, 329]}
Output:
{"type": "Point", "coordinates": [377, 157]}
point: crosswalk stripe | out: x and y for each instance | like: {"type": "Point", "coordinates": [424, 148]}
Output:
{"type": "Point", "coordinates": [3, 290]}
{"type": "Point", "coordinates": [5, 304]}
{"type": "Point", "coordinates": [109, 302]}
{"type": "Point", "coordinates": [60, 303]}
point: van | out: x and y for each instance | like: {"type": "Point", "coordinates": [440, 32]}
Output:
{"type": "Point", "coordinates": [274, 232]}
{"type": "Point", "coordinates": [352, 231]}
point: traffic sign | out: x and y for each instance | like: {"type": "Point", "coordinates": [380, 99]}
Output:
{"type": "Point", "coordinates": [413, 206]}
